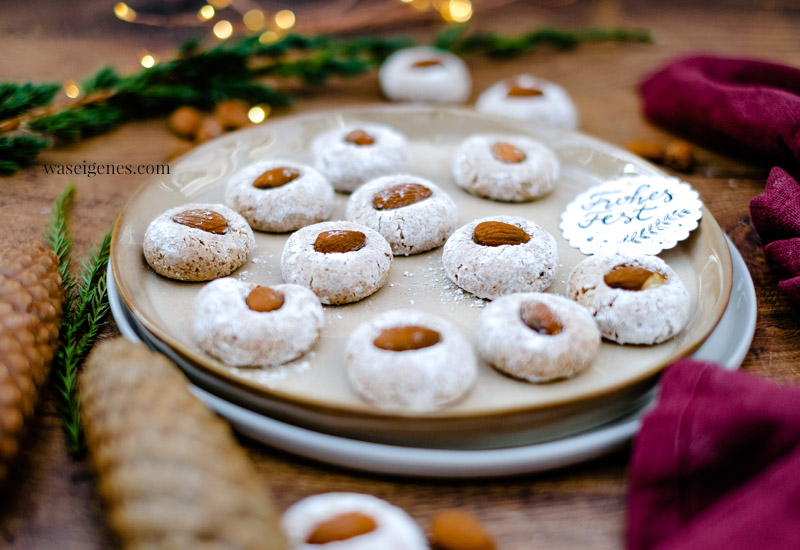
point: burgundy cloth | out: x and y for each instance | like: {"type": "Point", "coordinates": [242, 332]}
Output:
{"type": "Point", "coordinates": [748, 105]}
{"type": "Point", "coordinates": [716, 464]}
{"type": "Point", "coordinates": [776, 216]}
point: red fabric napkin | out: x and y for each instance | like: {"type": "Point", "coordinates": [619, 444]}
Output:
{"type": "Point", "coordinates": [716, 464]}
{"type": "Point", "coordinates": [776, 216]}
{"type": "Point", "coordinates": [749, 105]}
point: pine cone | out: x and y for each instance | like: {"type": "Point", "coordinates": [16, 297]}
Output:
{"type": "Point", "coordinates": [170, 470]}
{"type": "Point", "coordinates": [30, 317]}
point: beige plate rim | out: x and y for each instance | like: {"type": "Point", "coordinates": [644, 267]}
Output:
{"type": "Point", "coordinates": [273, 394]}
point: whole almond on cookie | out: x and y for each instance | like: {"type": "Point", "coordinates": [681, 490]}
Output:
{"type": "Point", "coordinates": [341, 527]}
{"type": "Point", "coordinates": [276, 177]}
{"type": "Point", "coordinates": [400, 195]}
{"type": "Point", "coordinates": [628, 277]}
{"type": "Point", "coordinates": [499, 233]}
{"type": "Point", "coordinates": [264, 299]}
{"type": "Point", "coordinates": [406, 338]}
{"type": "Point", "coordinates": [203, 219]}
{"type": "Point", "coordinates": [510, 154]}
{"type": "Point", "coordinates": [339, 241]}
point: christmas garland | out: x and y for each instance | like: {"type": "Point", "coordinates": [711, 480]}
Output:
{"type": "Point", "coordinates": [246, 70]}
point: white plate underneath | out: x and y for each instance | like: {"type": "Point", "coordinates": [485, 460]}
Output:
{"type": "Point", "coordinates": [727, 345]}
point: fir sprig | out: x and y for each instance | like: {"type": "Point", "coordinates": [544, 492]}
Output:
{"type": "Point", "coordinates": [245, 69]}
{"type": "Point", "coordinates": [85, 310]}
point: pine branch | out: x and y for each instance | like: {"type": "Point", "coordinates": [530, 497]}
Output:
{"type": "Point", "coordinates": [85, 309]}
{"type": "Point", "coordinates": [18, 150]}
{"type": "Point", "coordinates": [16, 99]}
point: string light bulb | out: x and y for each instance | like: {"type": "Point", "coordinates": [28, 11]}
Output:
{"type": "Point", "coordinates": [206, 12]}
{"type": "Point", "coordinates": [258, 113]}
{"type": "Point", "coordinates": [220, 4]}
{"type": "Point", "coordinates": [125, 12]}
{"type": "Point", "coordinates": [223, 29]}
{"type": "Point", "coordinates": [285, 19]}
{"type": "Point", "coordinates": [147, 61]}
{"type": "Point", "coordinates": [267, 37]}
{"type": "Point", "coordinates": [254, 20]}
{"type": "Point", "coordinates": [457, 11]}
{"type": "Point", "coordinates": [71, 89]}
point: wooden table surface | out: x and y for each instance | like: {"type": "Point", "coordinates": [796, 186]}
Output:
{"type": "Point", "coordinates": [51, 503]}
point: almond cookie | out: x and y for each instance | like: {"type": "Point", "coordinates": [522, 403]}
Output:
{"type": "Point", "coordinates": [408, 360]}
{"type": "Point", "coordinates": [350, 521]}
{"type": "Point", "coordinates": [198, 242]}
{"type": "Point", "coordinates": [413, 214]}
{"type": "Point", "coordinates": [537, 337]}
{"type": "Point", "coordinates": [634, 300]}
{"type": "Point", "coordinates": [500, 255]}
{"type": "Point", "coordinates": [425, 75]}
{"type": "Point", "coordinates": [341, 262]}
{"type": "Point", "coordinates": [244, 324]}
{"type": "Point", "coordinates": [505, 168]}
{"type": "Point", "coordinates": [529, 98]}
{"type": "Point", "coordinates": [280, 195]}
{"type": "Point", "coordinates": [356, 153]}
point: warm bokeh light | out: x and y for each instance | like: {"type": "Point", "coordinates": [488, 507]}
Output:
{"type": "Point", "coordinates": [420, 5]}
{"type": "Point", "coordinates": [268, 37]}
{"type": "Point", "coordinates": [220, 4]}
{"type": "Point", "coordinates": [125, 12]}
{"type": "Point", "coordinates": [254, 20]}
{"type": "Point", "coordinates": [71, 89]}
{"type": "Point", "coordinates": [223, 29]}
{"type": "Point", "coordinates": [285, 19]}
{"type": "Point", "coordinates": [147, 61]}
{"type": "Point", "coordinates": [457, 11]}
{"type": "Point", "coordinates": [206, 12]}
{"type": "Point", "coordinates": [406, 1]}
{"type": "Point", "coordinates": [258, 113]}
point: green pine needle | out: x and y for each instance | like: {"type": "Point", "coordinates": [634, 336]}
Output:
{"type": "Point", "coordinates": [16, 99]}
{"type": "Point", "coordinates": [85, 310]}
{"type": "Point", "coordinates": [18, 150]}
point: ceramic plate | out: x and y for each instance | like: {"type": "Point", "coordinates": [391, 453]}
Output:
{"type": "Point", "coordinates": [313, 390]}
{"type": "Point", "coordinates": [727, 345]}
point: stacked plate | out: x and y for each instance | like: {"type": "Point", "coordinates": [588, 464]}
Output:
{"type": "Point", "coordinates": [504, 426]}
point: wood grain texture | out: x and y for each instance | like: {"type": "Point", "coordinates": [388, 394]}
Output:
{"type": "Point", "coordinates": [50, 501]}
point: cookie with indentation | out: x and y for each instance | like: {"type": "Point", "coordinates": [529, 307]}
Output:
{"type": "Point", "coordinates": [280, 195]}
{"type": "Point", "coordinates": [633, 299]}
{"type": "Point", "coordinates": [409, 360]}
{"type": "Point", "coordinates": [505, 167]}
{"type": "Point", "coordinates": [425, 75]}
{"type": "Point", "coordinates": [537, 337]}
{"type": "Point", "coordinates": [341, 262]}
{"type": "Point", "coordinates": [350, 521]}
{"type": "Point", "coordinates": [413, 214]}
{"type": "Point", "coordinates": [498, 255]}
{"type": "Point", "coordinates": [527, 97]}
{"type": "Point", "coordinates": [356, 153]}
{"type": "Point", "coordinates": [245, 324]}
{"type": "Point", "coordinates": [197, 242]}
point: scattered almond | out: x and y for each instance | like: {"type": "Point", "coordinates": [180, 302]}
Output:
{"type": "Point", "coordinates": [342, 527]}
{"type": "Point", "coordinates": [232, 114]}
{"type": "Point", "coordinates": [517, 90]}
{"type": "Point", "coordinates": [540, 318]}
{"type": "Point", "coordinates": [505, 152]}
{"type": "Point", "coordinates": [209, 129]}
{"type": "Point", "coordinates": [406, 338]}
{"type": "Point", "coordinates": [425, 63]}
{"type": "Point", "coordinates": [276, 177]}
{"type": "Point", "coordinates": [459, 530]}
{"type": "Point", "coordinates": [185, 122]}
{"type": "Point", "coordinates": [264, 299]}
{"type": "Point", "coordinates": [679, 155]}
{"type": "Point", "coordinates": [359, 137]}
{"type": "Point", "coordinates": [649, 150]}
{"type": "Point", "coordinates": [204, 219]}
{"type": "Point", "coordinates": [339, 241]}
{"type": "Point", "coordinates": [400, 195]}
{"type": "Point", "coordinates": [628, 277]}
{"type": "Point", "coordinates": [499, 233]}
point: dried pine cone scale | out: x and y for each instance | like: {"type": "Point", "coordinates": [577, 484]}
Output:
{"type": "Point", "coordinates": [30, 316]}
{"type": "Point", "coordinates": [170, 470]}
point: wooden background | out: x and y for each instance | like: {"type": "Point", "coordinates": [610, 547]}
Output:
{"type": "Point", "coordinates": [50, 502]}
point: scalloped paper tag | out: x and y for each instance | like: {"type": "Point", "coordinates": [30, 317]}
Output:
{"type": "Point", "coordinates": [632, 215]}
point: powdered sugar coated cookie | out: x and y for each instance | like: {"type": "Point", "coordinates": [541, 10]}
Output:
{"type": "Point", "coordinates": [527, 97]}
{"type": "Point", "coordinates": [425, 75]}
